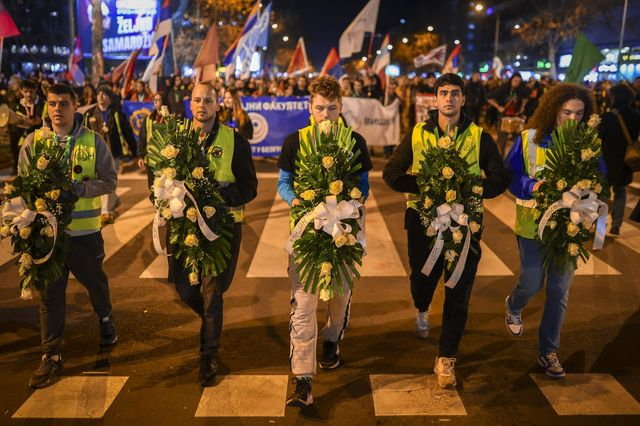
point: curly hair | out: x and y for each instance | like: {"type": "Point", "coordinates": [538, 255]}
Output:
{"type": "Point", "coordinates": [327, 87]}
{"type": "Point", "coordinates": [545, 117]}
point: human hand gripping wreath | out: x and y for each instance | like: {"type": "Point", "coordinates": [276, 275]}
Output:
{"type": "Point", "coordinates": [188, 198]}
{"type": "Point", "coordinates": [450, 202]}
{"type": "Point", "coordinates": [328, 238]}
{"type": "Point", "coordinates": [572, 194]}
{"type": "Point", "coordinates": [37, 210]}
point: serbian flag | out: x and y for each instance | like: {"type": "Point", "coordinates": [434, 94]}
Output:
{"type": "Point", "coordinates": [453, 61]}
{"type": "Point", "coordinates": [159, 45]}
{"type": "Point", "coordinates": [332, 65]}
{"type": "Point", "coordinates": [382, 60]}
{"type": "Point", "coordinates": [233, 51]}
{"type": "Point", "coordinates": [207, 59]}
{"type": "Point", "coordinates": [7, 27]}
{"type": "Point", "coordinates": [126, 68]}
{"type": "Point", "coordinates": [75, 73]}
{"type": "Point", "coordinates": [299, 62]}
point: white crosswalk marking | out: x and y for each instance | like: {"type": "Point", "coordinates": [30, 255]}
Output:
{"type": "Point", "coordinates": [127, 226]}
{"type": "Point", "coordinates": [270, 259]}
{"type": "Point", "coordinates": [413, 395]}
{"type": "Point", "coordinates": [75, 397]}
{"type": "Point", "coordinates": [245, 396]}
{"type": "Point", "coordinates": [587, 394]}
{"type": "Point", "coordinates": [504, 209]}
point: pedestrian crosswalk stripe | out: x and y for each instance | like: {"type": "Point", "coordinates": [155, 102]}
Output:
{"type": "Point", "coordinates": [121, 190]}
{"type": "Point", "coordinates": [504, 209]}
{"type": "Point", "coordinates": [587, 394]}
{"type": "Point", "coordinates": [491, 265]}
{"type": "Point", "coordinates": [127, 226]}
{"type": "Point", "coordinates": [245, 396]}
{"type": "Point", "coordinates": [270, 259]}
{"type": "Point", "coordinates": [75, 397]}
{"type": "Point", "coordinates": [158, 268]}
{"type": "Point", "coordinates": [413, 395]}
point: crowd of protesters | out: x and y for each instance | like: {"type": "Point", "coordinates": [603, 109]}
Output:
{"type": "Point", "coordinates": [490, 102]}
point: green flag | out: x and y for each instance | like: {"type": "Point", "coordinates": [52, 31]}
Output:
{"type": "Point", "coordinates": [584, 57]}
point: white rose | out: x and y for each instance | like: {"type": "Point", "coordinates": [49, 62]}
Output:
{"type": "Point", "coordinates": [325, 126]}
{"type": "Point", "coordinates": [355, 194]}
{"type": "Point", "coordinates": [42, 163]}
{"type": "Point", "coordinates": [474, 226]}
{"type": "Point", "coordinates": [325, 269]}
{"type": "Point", "coordinates": [8, 188]}
{"type": "Point", "coordinates": [166, 213]}
{"type": "Point", "coordinates": [587, 154]}
{"type": "Point", "coordinates": [573, 249]}
{"type": "Point", "coordinates": [164, 111]}
{"type": "Point", "coordinates": [327, 162]}
{"type": "Point", "coordinates": [584, 184]}
{"type": "Point", "coordinates": [351, 240]}
{"type": "Point", "coordinates": [169, 152]}
{"type": "Point", "coordinates": [450, 255]}
{"type": "Point", "coordinates": [25, 232]}
{"type": "Point", "coordinates": [447, 172]}
{"type": "Point", "coordinates": [192, 214]}
{"type": "Point", "coordinates": [477, 189]}
{"type": "Point", "coordinates": [451, 196]}
{"type": "Point", "coordinates": [561, 184]}
{"type": "Point", "coordinates": [431, 231]}
{"type": "Point", "coordinates": [597, 189]}
{"type": "Point", "coordinates": [193, 278]}
{"type": "Point", "coordinates": [340, 240]}
{"type": "Point", "coordinates": [198, 173]}
{"type": "Point", "coordinates": [335, 187]}
{"type": "Point", "coordinates": [457, 236]}
{"type": "Point", "coordinates": [572, 230]}
{"type": "Point", "coordinates": [5, 231]}
{"type": "Point", "coordinates": [325, 294]}
{"type": "Point", "coordinates": [169, 172]}
{"type": "Point", "coordinates": [427, 203]}
{"type": "Point", "coordinates": [308, 195]}
{"type": "Point", "coordinates": [552, 224]}
{"type": "Point", "coordinates": [445, 142]}
{"type": "Point", "coordinates": [594, 121]}
{"type": "Point", "coordinates": [209, 211]}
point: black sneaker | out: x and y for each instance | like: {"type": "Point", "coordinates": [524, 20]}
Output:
{"type": "Point", "coordinates": [302, 395]}
{"type": "Point", "coordinates": [108, 335]}
{"type": "Point", "coordinates": [208, 371]}
{"type": "Point", "coordinates": [615, 230]}
{"type": "Point", "coordinates": [330, 356]}
{"type": "Point", "coordinates": [47, 373]}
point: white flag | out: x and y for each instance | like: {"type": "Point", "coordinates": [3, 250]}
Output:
{"type": "Point", "coordinates": [434, 56]}
{"type": "Point", "coordinates": [352, 38]}
{"type": "Point", "coordinates": [496, 66]}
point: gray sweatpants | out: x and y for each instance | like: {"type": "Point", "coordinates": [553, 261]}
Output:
{"type": "Point", "coordinates": [303, 326]}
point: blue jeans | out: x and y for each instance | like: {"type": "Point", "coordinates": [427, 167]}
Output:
{"type": "Point", "coordinates": [619, 202]}
{"type": "Point", "coordinates": [531, 281]}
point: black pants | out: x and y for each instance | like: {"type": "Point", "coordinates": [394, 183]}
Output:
{"type": "Point", "coordinates": [14, 143]}
{"type": "Point", "coordinates": [206, 298]}
{"type": "Point", "coordinates": [84, 259]}
{"type": "Point", "coordinates": [456, 300]}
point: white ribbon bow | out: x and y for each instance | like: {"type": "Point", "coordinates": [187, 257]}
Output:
{"type": "Point", "coordinates": [16, 211]}
{"type": "Point", "coordinates": [448, 214]}
{"type": "Point", "coordinates": [174, 191]}
{"type": "Point", "coordinates": [585, 207]}
{"type": "Point", "coordinates": [328, 216]}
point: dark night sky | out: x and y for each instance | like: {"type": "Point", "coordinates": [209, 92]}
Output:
{"type": "Point", "coordinates": [322, 22]}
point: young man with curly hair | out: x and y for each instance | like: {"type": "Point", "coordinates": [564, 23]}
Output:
{"type": "Point", "coordinates": [528, 156]}
{"type": "Point", "coordinates": [325, 103]}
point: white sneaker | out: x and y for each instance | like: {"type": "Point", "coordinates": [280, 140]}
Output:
{"type": "Point", "coordinates": [445, 372]}
{"type": "Point", "coordinates": [513, 321]}
{"type": "Point", "coordinates": [422, 324]}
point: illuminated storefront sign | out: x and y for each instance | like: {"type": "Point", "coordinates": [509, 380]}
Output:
{"type": "Point", "coordinates": [127, 25]}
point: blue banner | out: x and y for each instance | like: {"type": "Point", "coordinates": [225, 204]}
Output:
{"type": "Point", "coordinates": [127, 25]}
{"type": "Point", "coordinates": [136, 112]}
{"type": "Point", "coordinates": [273, 120]}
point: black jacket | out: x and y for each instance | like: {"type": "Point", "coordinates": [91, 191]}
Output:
{"type": "Point", "coordinates": [495, 177]}
{"type": "Point", "coordinates": [614, 143]}
{"type": "Point", "coordinates": [94, 121]}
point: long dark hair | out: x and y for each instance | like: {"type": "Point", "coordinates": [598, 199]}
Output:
{"type": "Point", "coordinates": [546, 115]}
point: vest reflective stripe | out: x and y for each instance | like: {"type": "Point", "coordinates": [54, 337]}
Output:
{"type": "Point", "coordinates": [421, 139]}
{"type": "Point", "coordinates": [220, 155]}
{"type": "Point", "coordinates": [149, 125]}
{"type": "Point", "coordinates": [86, 213]}
{"type": "Point", "coordinates": [534, 159]}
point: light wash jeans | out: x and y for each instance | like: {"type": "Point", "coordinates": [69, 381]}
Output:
{"type": "Point", "coordinates": [531, 281]}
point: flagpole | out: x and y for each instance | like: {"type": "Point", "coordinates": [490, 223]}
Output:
{"type": "Point", "coordinates": [173, 52]}
{"type": "Point", "coordinates": [622, 25]}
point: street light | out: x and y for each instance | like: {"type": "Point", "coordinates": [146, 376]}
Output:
{"type": "Point", "coordinates": [274, 26]}
{"type": "Point", "coordinates": [430, 28]}
{"type": "Point", "coordinates": [516, 27]}
{"type": "Point", "coordinates": [456, 42]}
{"type": "Point", "coordinates": [479, 7]}
{"type": "Point", "coordinates": [405, 40]}
{"type": "Point", "coordinates": [364, 59]}
{"type": "Point", "coordinates": [285, 38]}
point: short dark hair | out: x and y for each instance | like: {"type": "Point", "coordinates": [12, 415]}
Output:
{"type": "Point", "coordinates": [449, 79]}
{"type": "Point", "coordinates": [622, 94]}
{"type": "Point", "coordinates": [28, 84]}
{"type": "Point", "coordinates": [104, 88]}
{"type": "Point", "coordinates": [62, 89]}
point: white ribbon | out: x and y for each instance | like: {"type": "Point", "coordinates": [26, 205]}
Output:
{"type": "Point", "coordinates": [328, 217]}
{"type": "Point", "coordinates": [447, 214]}
{"type": "Point", "coordinates": [585, 207]}
{"type": "Point", "coordinates": [15, 211]}
{"type": "Point", "coordinates": [174, 191]}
